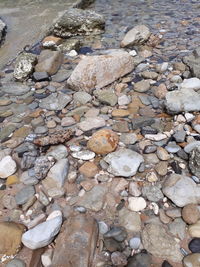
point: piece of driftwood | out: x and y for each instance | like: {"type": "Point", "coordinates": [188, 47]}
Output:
{"type": "Point", "coordinates": [54, 139]}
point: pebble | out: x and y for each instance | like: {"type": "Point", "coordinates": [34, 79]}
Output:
{"type": "Point", "coordinates": [152, 177]}
{"type": "Point", "coordinates": [142, 86]}
{"type": "Point", "coordinates": [186, 190]}
{"type": "Point", "coordinates": [189, 147]}
{"type": "Point", "coordinates": [46, 257]}
{"type": "Point", "coordinates": [152, 193]}
{"type": "Point", "coordinates": [7, 167]}
{"type": "Point", "coordinates": [91, 123]}
{"type": "Point", "coordinates": [123, 162]}
{"type": "Point", "coordinates": [84, 155]}
{"type": "Point", "coordinates": [135, 242]}
{"type": "Point", "coordinates": [162, 154]}
{"type": "Point", "coordinates": [191, 213]}
{"type": "Point", "coordinates": [134, 189]}
{"type": "Point", "coordinates": [57, 174]}
{"type": "Point", "coordinates": [136, 203]}
{"type": "Point", "coordinates": [118, 259]}
{"type": "Point", "coordinates": [194, 229]}
{"type": "Point", "coordinates": [103, 141]}
{"type": "Point", "coordinates": [192, 260]}
{"type": "Point", "coordinates": [103, 227]}
{"type": "Point", "coordinates": [155, 137]}
{"type": "Point", "coordinates": [43, 234]}
{"type": "Point", "coordinates": [128, 138]}
{"type": "Point", "coordinates": [24, 194]}
{"type": "Point", "coordinates": [172, 147]}
{"type": "Point", "coordinates": [192, 83]}
{"type": "Point", "coordinates": [82, 98]}
{"type": "Point", "coordinates": [123, 100]}
{"type": "Point", "coordinates": [194, 245]}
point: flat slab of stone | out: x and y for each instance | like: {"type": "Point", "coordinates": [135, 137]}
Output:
{"type": "Point", "coordinates": [182, 100]}
{"type": "Point", "coordinates": [182, 190]}
{"type": "Point", "coordinates": [15, 89]}
{"type": "Point", "coordinates": [159, 243]}
{"type": "Point", "coordinates": [55, 101]}
{"type": "Point", "coordinates": [76, 244]}
{"type": "Point", "coordinates": [123, 162]}
{"type": "Point", "coordinates": [100, 71]}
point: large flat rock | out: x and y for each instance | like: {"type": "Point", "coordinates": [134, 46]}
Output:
{"type": "Point", "coordinates": [76, 244]}
{"type": "Point", "coordinates": [100, 71]}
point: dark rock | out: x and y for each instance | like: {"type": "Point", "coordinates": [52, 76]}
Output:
{"type": "Point", "coordinates": [177, 169]}
{"type": "Point", "coordinates": [182, 154]}
{"type": "Point", "coordinates": [141, 122]}
{"type": "Point", "coordinates": [140, 260]}
{"type": "Point", "coordinates": [166, 264]}
{"type": "Point", "coordinates": [194, 161]}
{"type": "Point", "coordinates": [112, 245]}
{"type": "Point", "coordinates": [148, 130]}
{"type": "Point", "coordinates": [24, 194]}
{"type": "Point", "coordinates": [28, 160]}
{"type": "Point", "coordinates": [194, 245]}
{"type": "Point", "coordinates": [118, 233]}
{"type": "Point", "coordinates": [40, 76]}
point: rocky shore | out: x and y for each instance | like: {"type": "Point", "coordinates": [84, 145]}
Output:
{"type": "Point", "coordinates": [100, 150]}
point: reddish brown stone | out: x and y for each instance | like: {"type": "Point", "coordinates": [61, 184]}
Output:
{"type": "Point", "coordinates": [76, 244]}
{"type": "Point", "coordinates": [89, 169]}
{"type": "Point", "coordinates": [103, 142]}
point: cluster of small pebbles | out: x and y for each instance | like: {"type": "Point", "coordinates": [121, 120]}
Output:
{"type": "Point", "coordinates": [100, 151]}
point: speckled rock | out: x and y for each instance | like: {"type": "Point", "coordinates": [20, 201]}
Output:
{"type": "Point", "coordinates": [160, 244]}
{"type": "Point", "coordinates": [24, 66]}
{"type": "Point", "coordinates": [78, 22]}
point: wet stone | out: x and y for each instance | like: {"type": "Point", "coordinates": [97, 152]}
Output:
{"type": "Point", "coordinates": [55, 101]}
{"type": "Point", "coordinates": [40, 76]}
{"type": "Point", "coordinates": [16, 89]}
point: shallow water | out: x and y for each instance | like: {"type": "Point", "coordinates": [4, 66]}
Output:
{"type": "Point", "coordinates": [177, 20]}
{"type": "Point", "coordinates": [27, 21]}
